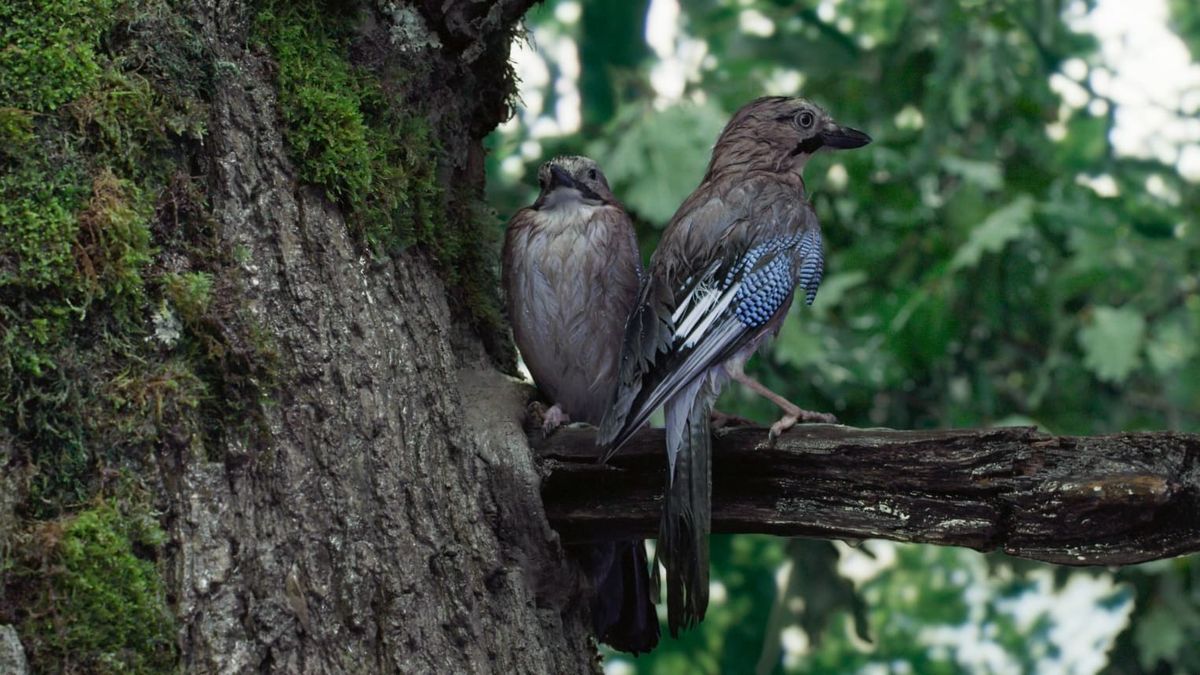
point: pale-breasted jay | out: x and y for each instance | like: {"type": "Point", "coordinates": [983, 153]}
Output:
{"type": "Point", "coordinates": [571, 272]}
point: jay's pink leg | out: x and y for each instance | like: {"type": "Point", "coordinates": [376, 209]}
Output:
{"type": "Point", "coordinates": [792, 413]}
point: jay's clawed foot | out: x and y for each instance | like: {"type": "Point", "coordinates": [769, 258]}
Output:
{"type": "Point", "coordinates": [792, 413]}
{"type": "Point", "coordinates": [547, 419]}
{"type": "Point", "coordinates": [553, 419]}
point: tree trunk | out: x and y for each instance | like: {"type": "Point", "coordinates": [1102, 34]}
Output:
{"type": "Point", "coordinates": [392, 522]}
{"type": "Point", "coordinates": [386, 516]}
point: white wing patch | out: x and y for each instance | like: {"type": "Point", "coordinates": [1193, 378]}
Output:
{"type": "Point", "coordinates": [701, 288]}
{"type": "Point", "coordinates": [706, 310]}
{"type": "Point", "coordinates": [700, 307]}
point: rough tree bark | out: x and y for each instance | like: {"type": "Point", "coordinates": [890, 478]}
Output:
{"type": "Point", "coordinates": [392, 522]}
{"type": "Point", "coordinates": [1105, 500]}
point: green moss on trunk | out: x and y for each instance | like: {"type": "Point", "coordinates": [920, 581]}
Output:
{"type": "Point", "coordinates": [345, 134]}
{"type": "Point", "coordinates": [353, 129]}
{"type": "Point", "coordinates": [93, 601]}
{"type": "Point", "coordinates": [103, 242]}
{"type": "Point", "coordinates": [50, 55]}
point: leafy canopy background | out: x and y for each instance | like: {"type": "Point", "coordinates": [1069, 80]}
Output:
{"type": "Point", "coordinates": [991, 260]}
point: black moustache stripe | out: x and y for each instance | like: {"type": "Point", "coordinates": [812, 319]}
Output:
{"type": "Point", "coordinates": [808, 145]}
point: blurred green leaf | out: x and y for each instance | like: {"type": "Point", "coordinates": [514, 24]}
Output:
{"type": "Point", "coordinates": [985, 175]}
{"type": "Point", "coordinates": [654, 159]}
{"type": "Point", "coordinates": [1112, 341]}
{"type": "Point", "coordinates": [800, 346]}
{"type": "Point", "coordinates": [1171, 345]}
{"type": "Point", "coordinates": [993, 234]}
{"type": "Point", "coordinates": [1159, 635]}
{"type": "Point", "coordinates": [834, 287]}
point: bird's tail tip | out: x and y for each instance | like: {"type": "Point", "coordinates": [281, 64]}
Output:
{"type": "Point", "coordinates": [633, 626]}
{"type": "Point", "coordinates": [610, 437]}
{"type": "Point", "coordinates": [610, 446]}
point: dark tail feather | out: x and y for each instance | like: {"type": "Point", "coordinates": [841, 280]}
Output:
{"type": "Point", "coordinates": [623, 610]}
{"type": "Point", "coordinates": [686, 520]}
{"type": "Point", "coordinates": [647, 332]}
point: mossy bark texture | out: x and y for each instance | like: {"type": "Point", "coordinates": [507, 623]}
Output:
{"type": "Point", "coordinates": [327, 470]}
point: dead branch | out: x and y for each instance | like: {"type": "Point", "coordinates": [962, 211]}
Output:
{"type": "Point", "coordinates": [1093, 500]}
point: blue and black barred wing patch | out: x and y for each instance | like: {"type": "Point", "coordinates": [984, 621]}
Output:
{"type": "Point", "coordinates": [811, 255]}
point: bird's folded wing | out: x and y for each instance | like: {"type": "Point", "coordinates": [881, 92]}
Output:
{"type": "Point", "coordinates": [704, 309]}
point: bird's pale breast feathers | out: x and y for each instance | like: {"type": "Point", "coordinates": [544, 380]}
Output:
{"type": "Point", "coordinates": [571, 276]}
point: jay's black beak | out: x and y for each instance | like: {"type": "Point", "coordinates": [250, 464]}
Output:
{"type": "Point", "coordinates": [560, 178]}
{"type": "Point", "coordinates": [843, 138]}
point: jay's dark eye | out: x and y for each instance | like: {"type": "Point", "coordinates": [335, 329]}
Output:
{"type": "Point", "coordinates": [592, 174]}
{"type": "Point", "coordinates": [805, 119]}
